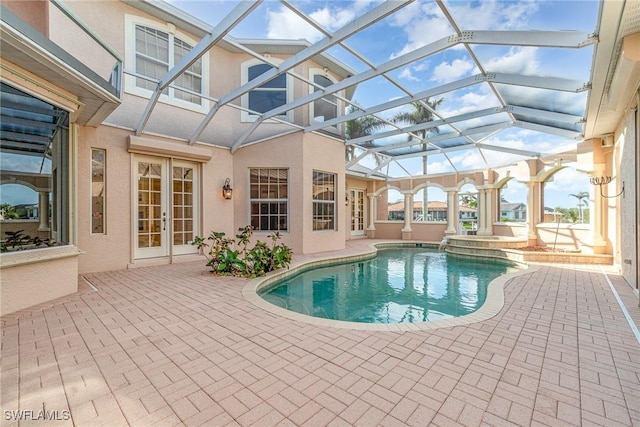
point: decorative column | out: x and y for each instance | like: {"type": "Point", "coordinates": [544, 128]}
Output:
{"type": "Point", "coordinates": [452, 212]}
{"type": "Point", "coordinates": [43, 211]}
{"type": "Point", "coordinates": [481, 212]}
{"type": "Point", "coordinates": [486, 210]}
{"type": "Point", "coordinates": [408, 215]}
{"type": "Point", "coordinates": [532, 207]}
{"type": "Point", "coordinates": [371, 227]}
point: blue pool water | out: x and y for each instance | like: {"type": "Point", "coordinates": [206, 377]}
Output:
{"type": "Point", "coordinates": [403, 285]}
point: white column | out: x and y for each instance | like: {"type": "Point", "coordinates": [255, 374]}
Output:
{"type": "Point", "coordinates": [43, 210]}
{"type": "Point", "coordinates": [481, 211]}
{"type": "Point", "coordinates": [532, 234]}
{"type": "Point", "coordinates": [452, 212]}
{"type": "Point", "coordinates": [490, 192]}
{"type": "Point", "coordinates": [408, 211]}
{"type": "Point", "coordinates": [372, 212]}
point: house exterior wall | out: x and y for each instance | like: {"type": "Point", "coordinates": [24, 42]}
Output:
{"type": "Point", "coordinates": [216, 213]}
{"type": "Point", "coordinates": [627, 137]}
{"type": "Point", "coordinates": [325, 155]}
{"type": "Point", "coordinates": [33, 12]}
{"type": "Point", "coordinates": [270, 154]}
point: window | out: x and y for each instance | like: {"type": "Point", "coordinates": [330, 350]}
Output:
{"type": "Point", "coordinates": [152, 49]}
{"type": "Point", "coordinates": [98, 165]}
{"type": "Point", "coordinates": [324, 201]}
{"type": "Point", "coordinates": [156, 53]}
{"type": "Point", "coordinates": [269, 192]}
{"type": "Point", "coordinates": [264, 98]}
{"type": "Point", "coordinates": [325, 108]}
{"type": "Point", "coordinates": [35, 161]}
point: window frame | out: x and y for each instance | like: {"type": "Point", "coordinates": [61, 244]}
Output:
{"type": "Point", "coordinates": [321, 72]}
{"type": "Point", "coordinates": [322, 202]}
{"type": "Point", "coordinates": [130, 85]}
{"type": "Point", "coordinates": [269, 200]}
{"type": "Point", "coordinates": [104, 192]}
{"type": "Point", "coordinates": [246, 116]}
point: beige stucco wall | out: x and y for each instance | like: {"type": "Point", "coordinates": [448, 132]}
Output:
{"type": "Point", "coordinates": [326, 155]}
{"type": "Point", "coordinates": [301, 154]}
{"type": "Point", "coordinates": [216, 213]}
{"type": "Point", "coordinates": [627, 216]}
{"type": "Point", "coordinates": [33, 12]}
{"type": "Point", "coordinates": [100, 249]}
{"type": "Point", "coordinates": [286, 152]}
{"type": "Point", "coordinates": [32, 277]}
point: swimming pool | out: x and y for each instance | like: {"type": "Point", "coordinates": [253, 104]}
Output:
{"type": "Point", "coordinates": [400, 285]}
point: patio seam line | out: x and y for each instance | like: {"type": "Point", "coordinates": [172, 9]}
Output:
{"type": "Point", "coordinates": [611, 350]}
{"type": "Point", "coordinates": [546, 347]}
{"type": "Point", "coordinates": [625, 312]}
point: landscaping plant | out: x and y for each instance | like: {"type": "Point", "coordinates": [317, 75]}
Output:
{"type": "Point", "coordinates": [234, 257]}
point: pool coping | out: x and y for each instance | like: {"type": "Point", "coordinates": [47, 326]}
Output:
{"type": "Point", "coordinates": [492, 305]}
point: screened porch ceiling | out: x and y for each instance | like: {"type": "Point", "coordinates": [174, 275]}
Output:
{"type": "Point", "coordinates": [496, 82]}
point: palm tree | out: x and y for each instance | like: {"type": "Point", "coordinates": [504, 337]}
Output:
{"type": "Point", "coordinates": [422, 112]}
{"type": "Point", "coordinates": [362, 126]}
{"type": "Point", "coordinates": [581, 196]}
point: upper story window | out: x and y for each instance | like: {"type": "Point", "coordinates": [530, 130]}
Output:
{"type": "Point", "coordinates": [272, 94]}
{"type": "Point", "coordinates": [153, 50]}
{"type": "Point", "coordinates": [325, 108]}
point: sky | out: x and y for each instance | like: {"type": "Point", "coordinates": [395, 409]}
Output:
{"type": "Point", "coordinates": [419, 24]}
{"type": "Point", "coordinates": [422, 22]}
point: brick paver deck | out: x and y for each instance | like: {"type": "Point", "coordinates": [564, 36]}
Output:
{"type": "Point", "coordinates": [174, 345]}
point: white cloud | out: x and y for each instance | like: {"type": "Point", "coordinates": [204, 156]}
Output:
{"type": "Point", "coordinates": [284, 24]}
{"type": "Point", "coordinates": [518, 60]}
{"type": "Point", "coordinates": [407, 74]}
{"type": "Point", "coordinates": [424, 23]}
{"type": "Point", "coordinates": [493, 15]}
{"type": "Point", "coordinates": [449, 71]}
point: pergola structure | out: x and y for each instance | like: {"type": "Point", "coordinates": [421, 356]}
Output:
{"type": "Point", "coordinates": [548, 100]}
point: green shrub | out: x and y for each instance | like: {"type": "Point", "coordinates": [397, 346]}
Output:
{"type": "Point", "coordinates": [233, 257]}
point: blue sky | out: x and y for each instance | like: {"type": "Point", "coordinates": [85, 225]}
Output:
{"type": "Point", "coordinates": [422, 22]}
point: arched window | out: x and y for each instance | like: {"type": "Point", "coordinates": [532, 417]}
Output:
{"type": "Point", "coordinates": [468, 209]}
{"type": "Point", "coordinates": [325, 108]}
{"type": "Point", "coordinates": [433, 201]}
{"type": "Point", "coordinates": [272, 94]}
{"type": "Point", "coordinates": [567, 197]}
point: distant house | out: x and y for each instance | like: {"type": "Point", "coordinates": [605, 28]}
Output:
{"type": "Point", "coordinates": [516, 212]}
{"type": "Point", "coordinates": [436, 211]}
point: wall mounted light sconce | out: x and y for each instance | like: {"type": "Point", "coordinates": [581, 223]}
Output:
{"type": "Point", "coordinates": [227, 191]}
{"type": "Point", "coordinates": [346, 200]}
{"type": "Point", "coordinates": [605, 180]}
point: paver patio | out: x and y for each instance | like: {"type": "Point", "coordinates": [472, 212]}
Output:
{"type": "Point", "coordinates": [174, 345]}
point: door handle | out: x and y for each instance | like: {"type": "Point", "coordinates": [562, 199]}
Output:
{"type": "Point", "coordinates": [164, 221]}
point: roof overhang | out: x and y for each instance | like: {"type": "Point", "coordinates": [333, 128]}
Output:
{"type": "Point", "coordinates": [30, 50]}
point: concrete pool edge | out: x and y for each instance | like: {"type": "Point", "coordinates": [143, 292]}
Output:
{"type": "Point", "coordinates": [492, 305]}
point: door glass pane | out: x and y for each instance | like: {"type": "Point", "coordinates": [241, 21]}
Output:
{"type": "Point", "coordinates": [182, 205]}
{"type": "Point", "coordinates": [149, 204]}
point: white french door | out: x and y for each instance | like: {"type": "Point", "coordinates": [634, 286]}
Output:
{"type": "Point", "coordinates": [166, 207]}
{"type": "Point", "coordinates": [357, 212]}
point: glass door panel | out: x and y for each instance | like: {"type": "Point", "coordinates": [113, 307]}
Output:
{"type": "Point", "coordinates": [151, 209]}
{"type": "Point", "coordinates": [357, 212]}
{"type": "Point", "coordinates": [183, 185]}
